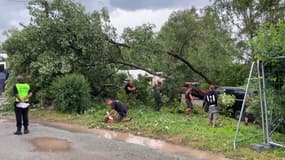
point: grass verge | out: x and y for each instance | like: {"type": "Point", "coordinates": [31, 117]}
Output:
{"type": "Point", "coordinates": [181, 129]}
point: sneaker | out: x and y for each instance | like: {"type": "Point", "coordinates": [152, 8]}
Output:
{"type": "Point", "coordinates": [18, 133]}
{"type": "Point", "coordinates": [26, 131]}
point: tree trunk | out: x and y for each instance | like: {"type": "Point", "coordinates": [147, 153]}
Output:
{"type": "Point", "coordinates": [191, 67]}
{"type": "Point", "coordinates": [136, 66]}
{"type": "Point", "coordinates": [153, 73]}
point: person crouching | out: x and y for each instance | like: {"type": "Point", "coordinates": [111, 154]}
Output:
{"type": "Point", "coordinates": [117, 107]}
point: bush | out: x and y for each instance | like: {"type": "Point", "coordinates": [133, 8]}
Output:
{"type": "Point", "coordinates": [225, 101]}
{"type": "Point", "coordinates": [121, 95]}
{"type": "Point", "coordinates": [172, 89]}
{"type": "Point", "coordinates": [70, 93]}
{"type": "Point", "coordinates": [112, 86]}
{"type": "Point", "coordinates": [144, 92]}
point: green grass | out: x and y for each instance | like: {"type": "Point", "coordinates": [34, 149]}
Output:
{"type": "Point", "coordinates": [182, 129]}
{"type": "Point", "coordinates": [6, 109]}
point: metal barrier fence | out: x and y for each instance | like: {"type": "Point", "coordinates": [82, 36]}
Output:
{"type": "Point", "coordinates": [268, 80]}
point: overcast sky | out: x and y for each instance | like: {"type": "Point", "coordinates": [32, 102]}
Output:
{"type": "Point", "coordinates": [123, 13]}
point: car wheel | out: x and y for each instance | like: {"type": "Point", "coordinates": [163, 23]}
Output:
{"type": "Point", "coordinates": [237, 114]}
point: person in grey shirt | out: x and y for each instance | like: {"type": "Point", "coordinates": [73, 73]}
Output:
{"type": "Point", "coordinates": [157, 96]}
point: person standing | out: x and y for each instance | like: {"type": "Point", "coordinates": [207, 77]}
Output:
{"type": "Point", "coordinates": [22, 93]}
{"type": "Point", "coordinates": [211, 101]}
{"type": "Point", "coordinates": [157, 96]}
{"type": "Point", "coordinates": [129, 89]}
{"type": "Point", "coordinates": [2, 82]}
{"type": "Point", "coordinates": [188, 99]}
{"type": "Point", "coordinates": [117, 107]}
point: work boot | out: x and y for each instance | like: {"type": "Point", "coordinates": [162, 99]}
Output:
{"type": "Point", "coordinates": [18, 132]}
{"type": "Point", "coordinates": [26, 131]}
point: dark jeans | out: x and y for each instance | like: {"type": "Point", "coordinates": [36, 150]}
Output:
{"type": "Point", "coordinates": [121, 116]}
{"type": "Point", "coordinates": [158, 103]}
{"type": "Point", "coordinates": [130, 97]}
{"type": "Point", "coordinates": [21, 116]}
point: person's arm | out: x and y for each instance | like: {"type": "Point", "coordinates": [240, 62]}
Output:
{"type": "Point", "coordinates": [190, 97]}
{"type": "Point", "coordinates": [112, 112]}
{"type": "Point", "coordinates": [131, 88]}
{"type": "Point", "coordinates": [204, 101]}
{"type": "Point", "coordinates": [20, 100]}
{"type": "Point", "coordinates": [17, 95]}
{"type": "Point", "coordinates": [29, 96]}
{"type": "Point", "coordinates": [216, 96]}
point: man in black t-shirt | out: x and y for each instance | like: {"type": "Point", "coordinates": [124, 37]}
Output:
{"type": "Point", "coordinates": [211, 101]}
{"type": "Point", "coordinates": [129, 88]}
{"type": "Point", "coordinates": [117, 107]}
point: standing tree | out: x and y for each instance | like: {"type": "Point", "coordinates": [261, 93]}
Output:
{"type": "Point", "coordinates": [245, 16]}
{"type": "Point", "coordinates": [201, 42]}
{"type": "Point", "coordinates": [269, 43]}
{"type": "Point", "coordinates": [62, 38]}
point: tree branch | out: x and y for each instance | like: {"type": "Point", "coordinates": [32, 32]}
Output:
{"type": "Point", "coordinates": [117, 43]}
{"type": "Point", "coordinates": [154, 73]}
{"type": "Point", "coordinates": [111, 74]}
{"type": "Point", "coordinates": [191, 67]}
{"type": "Point", "coordinates": [136, 66]}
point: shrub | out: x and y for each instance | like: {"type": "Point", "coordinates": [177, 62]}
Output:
{"type": "Point", "coordinates": [70, 93]}
{"type": "Point", "coordinates": [144, 92]}
{"type": "Point", "coordinates": [121, 95]}
{"type": "Point", "coordinates": [225, 101]}
{"type": "Point", "coordinates": [112, 86]}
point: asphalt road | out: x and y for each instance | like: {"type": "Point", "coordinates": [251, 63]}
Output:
{"type": "Point", "coordinates": [52, 143]}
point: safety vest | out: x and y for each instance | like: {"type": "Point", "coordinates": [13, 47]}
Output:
{"type": "Point", "coordinates": [23, 90]}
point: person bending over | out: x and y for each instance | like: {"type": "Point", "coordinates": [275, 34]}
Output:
{"type": "Point", "coordinates": [117, 107]}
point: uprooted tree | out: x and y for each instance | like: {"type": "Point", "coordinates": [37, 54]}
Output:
{"type": "Point", "coordinates": [63, 38]}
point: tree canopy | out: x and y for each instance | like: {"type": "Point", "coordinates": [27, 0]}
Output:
{"type": "Point", "coordinates": [62, 38]}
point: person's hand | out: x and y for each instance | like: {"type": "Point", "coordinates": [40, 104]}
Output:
{"type": "Point", "coordinates": [22, 101]}
{"type": "Point", "coordinates": [107, 114]}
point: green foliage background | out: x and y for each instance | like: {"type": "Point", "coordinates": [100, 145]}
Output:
{"type": "Point", "coordinates": [63, 38]}
{"type": "Point", "coordinates": [70, 93]}
{"type": "Point", "coordinates": [269, 43]}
